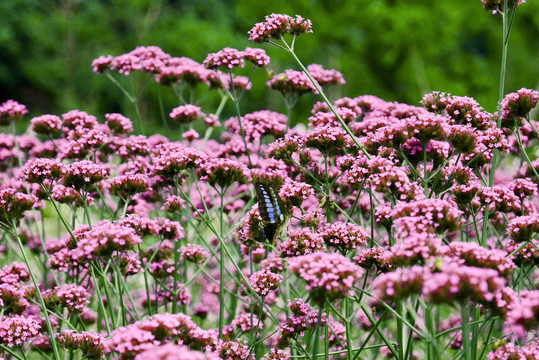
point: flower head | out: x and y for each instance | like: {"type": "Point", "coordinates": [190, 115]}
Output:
{"type": "Point", "coordinates": [264, 281]}
{"type": "Point", "coordinates": [228, 58]}
{"type": "Point", "coordinates": [328, 276]}
{"type": "Point", "coordinates": [277, 25]}
{"type": "Point", "coordinates": [11, 111]}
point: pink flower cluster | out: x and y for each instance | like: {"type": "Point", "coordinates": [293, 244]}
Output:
{"type": "Point", "coordinates": [258, 124]}
{"type": "Point", "coordinates": [497, 6]}
{"type": "Point", "coordinates": [15, 330]}
{"type": "Point", "coordinates": [143, 335]}
{"type": "Point", "coordinates": [187, 113]}
{"type": "Point", "coordinates": [292, 82]}
{"type": "Point", "coordinates": [264, 281]}
{"type": "Point", "coordinates": [92, 344]}
{"type": "Point", "coordinates": [277, 25]}
{"type": "Point", "coordinates": [343, 236]}
{"type": "Point", "coordinates": [11, 111]}
{"type": "Point", "coordinates": [194, 253]}
{"type": "Point", "coordinates": [328, 276]}
{"type": "Point", "coordinates": [303, 318]}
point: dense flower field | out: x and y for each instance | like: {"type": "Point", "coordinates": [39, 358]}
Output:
{"type": "Point", "coordinates": [379, 230]}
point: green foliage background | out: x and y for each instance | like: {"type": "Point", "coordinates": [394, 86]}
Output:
{"type": "Point", "coordinates": [397, 50]}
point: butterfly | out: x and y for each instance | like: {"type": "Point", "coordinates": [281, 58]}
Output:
{"type": "Point", "coordinates": [275, 216]}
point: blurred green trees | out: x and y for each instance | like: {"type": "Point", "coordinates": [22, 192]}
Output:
{"type": "Point", "coordinates": [397, 50]}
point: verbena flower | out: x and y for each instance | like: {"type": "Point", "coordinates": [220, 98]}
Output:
{"type": "Point", "coordinates": [244, 322]}
{"type": "Point", "coordinates": [301, 242]}
{"type": "Point", "coordinates": [223, 172]}
{"type": "Point", "coordinates": [126, 186]}
{"type": "Point", "coordinates": [524, 314]}
{"type": "Point", "coordinates": [277, 25]}
{"type": "Point", "coordinates": [343, 236]}
{"type": "Point", "coordinates": [414, 249]}
{"type": "Point", "coordinates": [15, 330]}
{"type": "Point", "coordinates": [173, 204]}
{"type": "Point", "coordinates": [399, 284]}
{"type": "Point", "coordinates": [191, 135]}
{"type": "Point", "coordinates": [103, 240]}
{"type": "Point", "coordinates": [13, 298]}
{"type": "Point", "coordinates": [46, 124]}
{"type": "Point", "coordinates": [328, 276]}
{"type": "Point", "coordinates": [322, 118]}
{"type": "Point", "coordinates": [102, 63]}
{"type": "Point", "coordinates": [174, 352]}
{"type": "Point", "coordinates": [374, 257]}
{"type": "Point", "coordinates": [475, 255]}
{"type": "Point", "coordinates": [292, 82]}
{"type": "Point", "coordinates": [11, 111]}
{"type": "Point", "coordinates": [258, 124]}
{"type": "Point", "coordinates": [194, 253]}
{"type": "Point", "coordinates": [497, 6]}
{"type": "Point", "coordinates": [435, 101]}
{"type": "Point", "coordinates": [324, 76]}
{"type": "Point", "coordinates": [303, 318]}
{"type": "Point", "coordinates": [13, 205]}
{"type": "Point", "coordinates": [38, 170]}
{"type": "Point", "coordinates": [142, 335]}
{"type": "Point", "coordinates": [274, 264]}
{"type": "Point", "coordinates": [293, 193]}
{"type": "Point", "coordinates": [76, 118]}
{"type": "Point", "coordinates": [143, 58]}
{"type": "Point", "coordinates": [81, 175]}
{"type": "Point", "coordinates": [92, 344]}
{"type": "Point", "coordinates": [517, 105]}
{"type": "Point", "coordinates": [169, 229]}
{"type": "Point", "coordinates": [234, 350]}
{"type": "Point", "coordinates": [257, 57]}
{"type": "Point", "coordinates": [265, 281]}
{"type": "Point", "coordinates": [186, 113]}
{"type": "Point", "coordinates": [118, 123]}
{"type": "Point", "coordinates": [443, 214]}
{"type": "Point", "coordinates": [457, 283]}
{"type": "Point", "coordinates": [172, 162]}
{"type": "Point", "coordinates": [74, 297]}
{"type": "Point", "coordinates": [228, 58]}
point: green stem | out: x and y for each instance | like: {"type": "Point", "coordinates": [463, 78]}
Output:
{"type": "Point", "coordinates": [11, 352]}
{"type": "Point", "coordinates": [465, 318]}
{"type": "Point", "coordinates": [401, 331]}
{"type": "Point", "coordinates": [222, 272]}
{"type": "Point", "coordinates": [290, 49]}
{"type": "Point", "coordinates": [39, 295]}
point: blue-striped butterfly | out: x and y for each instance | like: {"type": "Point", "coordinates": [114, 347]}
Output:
{"type": "Point", "coordinates": [275, 216]}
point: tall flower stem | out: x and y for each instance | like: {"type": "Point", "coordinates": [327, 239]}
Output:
{"type": "Point", "coordinates": [465, 318]}
{"type": "Point", "coordinates": [222, 258]}
{"type": "Point", "coordinates": [506, 30]}
{"type": "Point", "coordinates": [290, 49]}
{"type": "Point", "coordinates": [38, 291]}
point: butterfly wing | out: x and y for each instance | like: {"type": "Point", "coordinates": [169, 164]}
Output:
{"type": "Point", "coordinates": [273, 213]}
